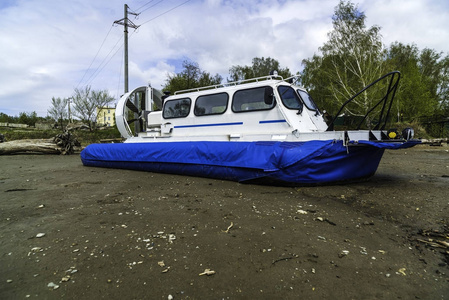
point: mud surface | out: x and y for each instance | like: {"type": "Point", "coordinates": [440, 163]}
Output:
{"type": "Point", "coordinates": [120, 234]}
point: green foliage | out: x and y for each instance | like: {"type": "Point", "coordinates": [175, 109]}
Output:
{"type": "Point", "coordinates": [260, 67]}
{"type": "Point", "coordinates": [437, 130]}
{"type": "Point", "coordinates": [351, 59]}
{"type": "Point", "coordinates": [354, 56]}
{"type": "Point", "coordinates": [21, 134]}
{"type": "Point", "coordinates": [190, 77]}
{"type": "Point", "coordinates": [443, 86]}
{"type": "Point", "coordinates": [4, 118]}
{"type": "Point", "coordinates": [29, 118]}
{"type": "Point", "coordinates": [95, 136]}
{"type": "Point", "coordinates": [424, 84]}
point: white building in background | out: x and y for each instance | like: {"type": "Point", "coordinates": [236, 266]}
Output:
{"type": "Point", "coordinates": [105, 116]}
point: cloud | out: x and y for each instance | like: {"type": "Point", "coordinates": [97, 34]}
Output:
{"type": "Point", "coordinates": [420, 22]}
{"type": "Point", "coordinates": [48, 47]}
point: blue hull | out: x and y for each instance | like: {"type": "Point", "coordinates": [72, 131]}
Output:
{"type": "Point", "coordinates": [290, 163]}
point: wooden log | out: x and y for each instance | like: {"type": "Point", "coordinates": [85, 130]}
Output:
{"type": "Point", "coordinates": [60, 144]}
{"type": "Point", "coordinates": [117, 140]}
{"type": "Point", "coordinates": [77, 126]}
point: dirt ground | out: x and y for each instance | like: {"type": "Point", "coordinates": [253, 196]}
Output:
{"type": "Point", "coordinates": [75, 232]}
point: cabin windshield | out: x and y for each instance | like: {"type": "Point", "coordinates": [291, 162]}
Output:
{"type": "Point", "coordinates": [289, 98]}
{"type": "Point", "coordinates": [307, 99]}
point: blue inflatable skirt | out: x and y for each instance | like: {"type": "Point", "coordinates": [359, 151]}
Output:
{"type": "Point", "coordinates": [287, 163]}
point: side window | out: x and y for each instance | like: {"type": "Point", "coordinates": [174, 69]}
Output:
{"type": "Point", "coordinates": [211, 104]}
{"type": "Point", "coordinates": [289, 97]}
{"type": "Point", "coordinates": [308, 101]}
{"type": "Point", "coordinates": [253, 99]}
{"type": "Point", "coordinates": [177, 108]}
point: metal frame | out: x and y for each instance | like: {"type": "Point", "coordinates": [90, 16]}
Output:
{"type": "Point", "coordinates": [387, 100]}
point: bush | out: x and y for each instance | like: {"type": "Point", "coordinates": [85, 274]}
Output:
{"type": "Point", "coordinates": [12, 134]}
{"type": "Point", "coordinates": [420, 130]}
{"type": "Point", "coordinates": [89, 137]}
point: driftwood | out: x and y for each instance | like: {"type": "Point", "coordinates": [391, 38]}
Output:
{"type": "Point", "coordinates": [77, 126]}
{"type": "Point", "coordinates": [111, 141]}
{"type": "Point", "coordinates": [64, 143]}
{"type": "Point", "coordinates": [435, 142]}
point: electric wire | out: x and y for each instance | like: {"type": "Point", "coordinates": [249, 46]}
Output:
{"type": "Point", "coordinates": [166, 12]}
{"type": "Point", "coordinates": [150, 6]}
{"type": "Point", "coordinates": [119, 77]}
{"type": "Point", "coordinates": [137, 10]}
{"type": "Point", "coordinates": [103, 64]}
{"type": "Point", "coordinates": [91, 63]}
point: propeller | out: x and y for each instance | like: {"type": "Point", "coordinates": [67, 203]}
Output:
{"type": "Point", "coordinates": [131, 109]}
{"type": "Point", "coordinates": [135, 105]}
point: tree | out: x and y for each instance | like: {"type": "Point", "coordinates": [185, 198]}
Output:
{"type": "Point", "coordinates": [443, 87]}
{"type": "Point", "coordinates": [58, 110]}
{"type": "Point", "coordinates": [83, 106]}
{"type": "Point", "coordinates": [28, 118]}
{"type": "Point", "coordinates": [260, 67]}
{"type": "Point", "coordinates": [4, 118]}
{"type": "Point", "coordinates": [435, 72]}
{"type": "Point", "coordinates": [424, 85]}
{"type": "Point", "coordinates": [352, 58]}
{"type": "Point", "coordinates": [86, 102]}
{"type": "Point", "coordinates": [190, 77]}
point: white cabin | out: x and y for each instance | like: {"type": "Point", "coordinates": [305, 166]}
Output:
{"type": "Point", "coordinates": [261, 109]}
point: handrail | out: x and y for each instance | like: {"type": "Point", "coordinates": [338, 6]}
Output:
{"type": "Point", "coordinates": [292, 77]}
{"type": "Point", "coordinates": [386, 101]}
{"type": "Point", "coordinates": [222, 85]}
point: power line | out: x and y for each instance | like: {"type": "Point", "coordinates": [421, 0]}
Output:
{"type": "Point", "coordinates": [136, 11]}
{"type": "Point", "coordinates": [119, 79]}
{"type": "Point", "coordinates": [87, 70]}
{"type": "Point", "coordinates": [98, 70]}
{"type": "Point", "coordinates": [109, 57]}
{"type": "Point", "coordinates": [150, 6]}
{"type": "Point", "coordinates": [166, 12]}
{"type": "Point", "coordinates": [104, 63]}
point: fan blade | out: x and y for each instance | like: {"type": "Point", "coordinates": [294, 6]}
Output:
{"type": "Point", "coordinates": [132, 107]}
{"type": "Point", "coordinates": [132, 120]}
{"type": "Point", "coordinates": [140, 125]}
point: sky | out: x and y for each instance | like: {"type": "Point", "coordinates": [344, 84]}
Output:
{"type": "Point", "coordinates": [48, 48]}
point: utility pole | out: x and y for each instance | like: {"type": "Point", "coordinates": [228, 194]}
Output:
{"type": "Point", "coordinates": [126, 23]}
